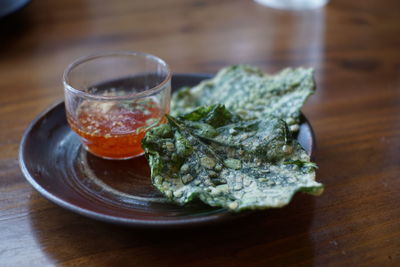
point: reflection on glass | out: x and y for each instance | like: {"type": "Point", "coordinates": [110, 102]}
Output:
{"type": "Point", "coordinates": [293, 4]}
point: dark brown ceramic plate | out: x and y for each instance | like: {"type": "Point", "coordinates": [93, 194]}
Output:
{"type": "Point", "coordinates": [54, 163]}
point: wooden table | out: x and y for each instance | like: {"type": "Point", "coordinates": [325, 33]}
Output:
{"type": "Point", "coordinates": [354, 47]}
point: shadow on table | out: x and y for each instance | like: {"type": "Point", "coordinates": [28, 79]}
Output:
{"type": "Point", "coordinates": [278, 237]}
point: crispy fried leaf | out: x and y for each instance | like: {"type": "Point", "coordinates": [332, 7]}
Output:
{"type": "Point", "coordinates": [250, 164]}
{"type": "Point", "coordinates": [252, 94]}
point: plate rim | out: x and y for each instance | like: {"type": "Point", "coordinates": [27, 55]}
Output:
{"type": "Point", "coordinates": [220, 215]}
{"type": "Point", "coordinates": [19, 7]}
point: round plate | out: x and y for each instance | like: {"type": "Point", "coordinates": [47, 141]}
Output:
{"type": "Point", "coordinates": [56, 165]}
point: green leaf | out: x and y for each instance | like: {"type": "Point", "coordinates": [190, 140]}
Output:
{"type": "Point", "coordinates": [244, 165]}
{"type": "Point", "coordinates": [214, 115]}
{"type": "Point", "coordinates": [250, 93]}
{"type": "Point", "coordinates": [301, 164]}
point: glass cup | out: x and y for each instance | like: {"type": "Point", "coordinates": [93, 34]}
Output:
{"type": "Point", "coordinates": [113, 98]}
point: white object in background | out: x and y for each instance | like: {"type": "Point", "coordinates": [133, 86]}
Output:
{"type": "Point", "coordinates": [293, 4]}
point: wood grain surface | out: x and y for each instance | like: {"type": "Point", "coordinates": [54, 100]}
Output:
{"type": "Point", "coordinates": [354, 47]}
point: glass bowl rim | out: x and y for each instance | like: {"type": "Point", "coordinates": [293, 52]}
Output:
{"type": "Point", "coordinates": [159, 87]}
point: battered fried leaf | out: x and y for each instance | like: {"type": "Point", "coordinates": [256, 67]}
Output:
{"type": "Point", "coordinates": [214, 155]}
{"type": "Point", "coordinates": [252, 94]}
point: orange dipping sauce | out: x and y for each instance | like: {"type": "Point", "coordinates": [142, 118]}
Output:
{"type": "Point", "coordinates": [112, 130]}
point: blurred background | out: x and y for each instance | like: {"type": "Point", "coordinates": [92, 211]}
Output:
{"type": "Point", "coordinates": [192, 36]}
